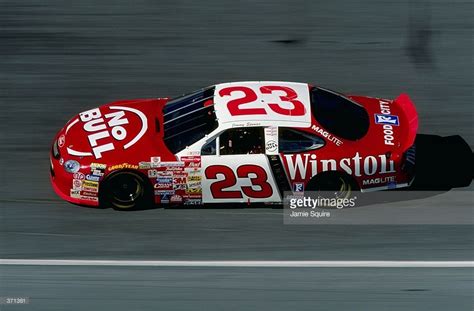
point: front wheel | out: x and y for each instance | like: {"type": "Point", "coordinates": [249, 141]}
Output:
{"type": "Point", "coordinates": [125, 190]}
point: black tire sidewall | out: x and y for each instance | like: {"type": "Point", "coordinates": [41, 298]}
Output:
{"type": "Point", "coordinates": [144, 201]}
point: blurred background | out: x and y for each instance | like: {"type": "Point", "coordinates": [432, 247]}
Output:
{"type": "Point", "coordinates": [58, 58]}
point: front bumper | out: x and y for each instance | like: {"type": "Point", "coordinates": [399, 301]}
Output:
{"type": "Point", "coordinates": [61, 181]}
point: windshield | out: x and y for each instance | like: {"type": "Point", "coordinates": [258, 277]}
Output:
{"type": "Point", "coordinates": [189, 118]}
{"type": "Point", "coordinates": [338, 114]}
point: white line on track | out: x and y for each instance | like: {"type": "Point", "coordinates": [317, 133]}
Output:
{"type": "Point", "coordinates": [241, 263]}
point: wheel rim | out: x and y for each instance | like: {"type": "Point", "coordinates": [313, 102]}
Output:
{"type": "Point", "coordinates": [345, 189]}
{"type": "Point", "coordinates": [126, 189]}
{"type": "Point", "coordinates": [339, 187]}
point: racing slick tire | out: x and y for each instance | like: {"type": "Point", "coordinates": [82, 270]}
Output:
{"type": "Point", "coordinates": [333, 184]}
{"type": "Point", "coordinates": [126, 190]}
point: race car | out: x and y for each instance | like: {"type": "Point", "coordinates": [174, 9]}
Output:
{"type": "Point", "coordinates": [239, 142]}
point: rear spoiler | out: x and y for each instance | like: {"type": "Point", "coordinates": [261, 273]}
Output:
{"type": "Point", "coordinates": [409, 117]}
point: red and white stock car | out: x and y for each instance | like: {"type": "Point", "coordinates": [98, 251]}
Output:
{"type": "Point", "coordinates": [234, 142]}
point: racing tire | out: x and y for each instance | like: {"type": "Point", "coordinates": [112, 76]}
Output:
{"type": "Point", "coordinates": [126, 190]}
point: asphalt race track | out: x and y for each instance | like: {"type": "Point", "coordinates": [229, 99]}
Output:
{"type": "Point", "coordinates": [58, 58]}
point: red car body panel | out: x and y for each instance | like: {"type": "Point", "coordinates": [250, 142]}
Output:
{"type": "Point", "coordinates": [365, 159]}
{"type": "Point", "coordinates": [97, 131]}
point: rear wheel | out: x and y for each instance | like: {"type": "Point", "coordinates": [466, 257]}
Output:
{"type": "Point", "coordinates": [126, 190]}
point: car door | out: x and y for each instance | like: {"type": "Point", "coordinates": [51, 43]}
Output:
{"type": "Point", "coordinates": [236, 168]}
{"type": "Point", "coordinates": [299, 151]}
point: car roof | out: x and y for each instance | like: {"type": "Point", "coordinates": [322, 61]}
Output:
{"type": "Point", "coordinates": [262, 103]}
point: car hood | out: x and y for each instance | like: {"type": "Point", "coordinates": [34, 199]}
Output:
{"type": "Point", "coordinates": [115, 131]}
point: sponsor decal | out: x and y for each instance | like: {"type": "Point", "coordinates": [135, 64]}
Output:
{"type": "Point", "coordinates": [162, 186]}
{"type": "Point", "coordinates": [144, 165]}
{"type": "Point", "coordinates": [92, 177]}
{"type": "Point", "coordinates": [76, 184]}
{"type": "Point", "coordinates": [271, 139]}
{"type": "Point", "coordinates": [99, 173]}
{"type": "Point", "coordinates": [107, 128]}
{"type": "Point", "coordinates": [61, 140]}
{"type": "Point", "coordinates": [78, 175]}
{"type": "Point", "coordinates": [193, 184]}
{"type": "Point", "coordinates": [75, 193]}
{"type": "Point", "coordinates": [179, 179]}
{"type": "Point", "coordinates": [191, 196]}
{"type": "Point", "coordinates": [155, 161]}
{"type": "Point", "coordinates": [164, 180]}
{"type": "Point", "coordinates": [388, 121]}
{"type": "Point", "coordinates": [98, 166]}
{"type": "Point", "coordinates": [271, 146]}
{"type": "Point", "coordinates": [72, 166]}
{"type": "Point", "coordinates": [271, 131]}
{"type": "Point", "coordinates": [122, 166]}
{"type": "Point", "coordinates": [160, 192]}
{"type": "Point", "coordinates": [193, 190]}
{"type": "Point", "coordinates": [164, 174]}
{"type": "Point", "coordinates": [193, 178]}
{"type": "Point", "coordinates": [176, 199]}
{"type": "Point", "coordinates": [90, 189]}
{"type": "Point", "coordinates": [193, 171]}
{"type": "Point", "coordinates": [305, 166]}
{"type": "Point", "coordinates": [193, 164]}
{"type": "Point", "coordinates": [193, 202]}
{"type": "Point", "coordinates": [190, 158]}
{"type": "Point", "coordinates": [379, 180]}
{"type": "Point", "coordinates": [152, 173]}
{"type": "Point", "coordinates": [88, 198]}
{"type": "Point", "coordinates": [179, 186]}
{"type": "Point", "coordinates": [90, 194]}
{"type": "Point", "coordinates": [172, 163]}
{"type": "Point", "coordinates": [88, 183]}
{"type": "Point", "coordinates": [91, 186]}
{"type": "Point", "coordinates": [175, 168]}
{"type": "Point", "coordinates": [165, 198]}
{"type": "Point", "coordinates": [180, 175]}
{"type": "Point", "coordinates": [298, 187]}
{"type": "Point", "coordinates": [327, 135]}
{"type": "Point", "coordinates": [191, 161]}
